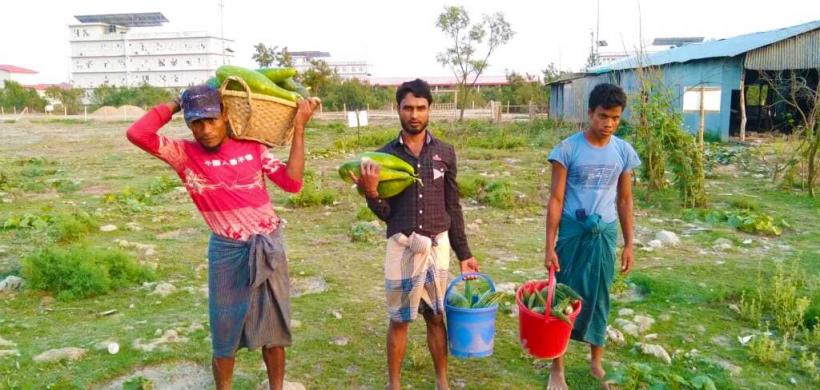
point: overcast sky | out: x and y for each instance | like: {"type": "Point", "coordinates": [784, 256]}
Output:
{"type": "Point", "coordinates": [399, 38]}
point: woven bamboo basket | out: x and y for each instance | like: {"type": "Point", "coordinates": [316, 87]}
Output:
{"type": "Point", "coordinates": [257, 117]}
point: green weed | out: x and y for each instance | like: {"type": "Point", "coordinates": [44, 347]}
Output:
{"type": "Point", "coordinates": [79, 272]}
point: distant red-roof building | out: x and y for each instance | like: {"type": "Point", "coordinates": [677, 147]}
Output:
{"type": "Point", "coordinates": [43, 87]}
{"type": "Point", "coordinates": [440, 81]}
{"type": "Point", "coordinates": [16, 69]}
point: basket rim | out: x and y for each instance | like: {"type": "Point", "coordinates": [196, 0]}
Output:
{"type": "Point", "coordinates": [257, 96]}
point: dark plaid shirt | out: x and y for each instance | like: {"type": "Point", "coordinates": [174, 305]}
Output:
{"type": "Point", "coordinates": [431, 208]}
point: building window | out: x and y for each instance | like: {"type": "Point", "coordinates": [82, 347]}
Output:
{"type": "Point", "coordinates": [692, 99]}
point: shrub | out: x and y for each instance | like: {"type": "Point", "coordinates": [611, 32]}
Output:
{"type": "Point", "coordinates": [500, 195]}
{"type": "Point", "coordinates": [80, 272]}
{"type": "Point", "coordinates": [765, 350]}
{"type": "Point", "coordinates": [61, 227]}
{"type": "Point", "coordinates": [367, 138]}
{"type": "Point", "coordinates": [135, 200]}
{"type": "Point", "coordinates": [364, 232]}
{"type": "Point", "coordinates": [65, 186]}
{"type": "Point", "coordinates": [471, 186]}
{"type": "Point", "coordinates": [365, 214]}
{"type": "Point", "coordinates": [67, 227]}
{"type": "Point", "coordinates": [312, 193]}
{"type": "Point", "coordinates": [787, 306]}
{"type": "Point", "coordinates": [497, 194]}
{"type": "Point", "coordinates": [138, 383]}
{"type": "Point", "coordinates": [751, 307]}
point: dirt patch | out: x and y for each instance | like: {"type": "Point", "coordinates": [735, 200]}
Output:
{"type": "Point", "coordinates": [179, 376]}
{"type": "Point", "coordinates": [106, 111]}
{"type": "Point", "coordinates": [130, 111]}
{"type": "Point", "coordinates": [95, 190]}
{"type": "Point", "coordinates": [179, 235]}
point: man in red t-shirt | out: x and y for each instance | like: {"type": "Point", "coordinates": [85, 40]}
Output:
{"type": "Point", "coordinates": [249, 297]}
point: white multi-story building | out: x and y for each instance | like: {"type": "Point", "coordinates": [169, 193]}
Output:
{"type": "Point", "coordinates": [346, 69]}
{"type": "Point", "coordinates": [104, 51]}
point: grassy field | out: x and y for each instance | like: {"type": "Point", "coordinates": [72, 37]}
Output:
{"type": "Point", "coordinates": [693, 290]}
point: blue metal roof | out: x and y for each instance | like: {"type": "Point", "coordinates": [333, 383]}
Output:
{"type": "Point", "coordinates": [728, 47]}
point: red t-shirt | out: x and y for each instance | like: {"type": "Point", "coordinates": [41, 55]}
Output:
{"type": "Point", "coordinates": [227, 186]}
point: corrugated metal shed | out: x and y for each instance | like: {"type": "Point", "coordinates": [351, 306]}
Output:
{"type": "Point", "coordinates": [728, 47]}
{"type": "Point", "coordinates": [798, 52]}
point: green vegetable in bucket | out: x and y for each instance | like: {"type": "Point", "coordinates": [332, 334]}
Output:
{"type": "Point", "coordinates": [475, 298]}
{"type": "Point", "coordinates": [563, 301]}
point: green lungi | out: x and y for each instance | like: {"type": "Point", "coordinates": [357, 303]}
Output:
{"type": "Point", "coordinates": [586, 252]}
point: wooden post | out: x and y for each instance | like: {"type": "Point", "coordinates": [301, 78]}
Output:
{"type": "Point", "coordinates": [531, 110]}
{"type": "Point", "coordinates": [65, 111]}
{"type": "Point", "coordinates": [508, 106]}
{"type": "Point", "coordinates": [85, 113]}
{"type": "Point", "coordinates": [743, 105]}
{"type": "Point", "coordinates": [702, 118]}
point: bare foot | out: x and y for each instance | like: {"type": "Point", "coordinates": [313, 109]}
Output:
{"type": "Point", "coordinates": [557, 381]}
{"type": "Point", "coordinates": [442, 386]}
{"type": "Point", "coordinates": [598, 373]}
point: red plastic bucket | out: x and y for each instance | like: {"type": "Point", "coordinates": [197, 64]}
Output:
{"type": "Point", "coordinates": [543, 336]}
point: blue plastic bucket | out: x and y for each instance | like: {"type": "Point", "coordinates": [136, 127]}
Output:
{"type": "Point", "coordinates": [470, 332]}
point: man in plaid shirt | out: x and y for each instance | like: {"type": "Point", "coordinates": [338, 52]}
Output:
{"type": "Point", "coordinates": [423, 222]}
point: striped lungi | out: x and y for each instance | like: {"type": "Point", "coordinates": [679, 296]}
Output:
{"type": "Point", "coordinates": [248, 293]}
{"type": "Point", "coordinates": [415, 269]}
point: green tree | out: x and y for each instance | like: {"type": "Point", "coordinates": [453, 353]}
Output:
{"type": "Point", "coordinates": [144, 96]}
{"type": "Point", "coordinates": [284, 58]}
{"type": "Point", "coordinates": [319, 77]}
{"type": "Point", "coordinates": [263, 55]}
{"type": "Point", "coordinates": [71, 99]}
{"type": "Point", "coordinates": [15, 96]}
{"type": "Point", "coordinates": [266, 56]}
{"type": "Point", "coordinates": [798, 96]}
{"type": "Point", "coordinates": [463, 58]}
{"type": "Point", "coordinates": [148, 96]}
{"type": "Point", "coordinates": [551, 73]}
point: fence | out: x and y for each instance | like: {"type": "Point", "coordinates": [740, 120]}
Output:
{"type": "Point", "coordinates": [493, 111]}
{"type": "Point", "coordinates": [439, 111]}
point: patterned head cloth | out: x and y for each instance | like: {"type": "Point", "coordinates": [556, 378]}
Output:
{"type": "Point", "coordinates": [201, 102]}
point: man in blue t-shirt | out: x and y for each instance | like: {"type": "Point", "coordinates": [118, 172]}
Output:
{"type": "Point", "coordinates": [591, 193]}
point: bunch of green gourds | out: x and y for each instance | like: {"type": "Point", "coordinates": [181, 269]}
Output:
{"type": "Point", "coordinates": [563, 301]}
{"type": "Point", "coordinates": [395, 174]}
{"type": "Point", "coordinates": [474, 299]}
{"type": "Point", "coordinates": [277, 82]}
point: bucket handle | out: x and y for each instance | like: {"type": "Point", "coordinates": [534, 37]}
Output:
{"type": "Point", "coordinates": [550, 293]}
{"type": "Point", "coordinates": [459, 278]}
{"type": "Point", "coordinates": [247, 90]}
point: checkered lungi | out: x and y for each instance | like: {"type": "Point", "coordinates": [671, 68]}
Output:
{"type": "Point", "coordinates": [415, 269]}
